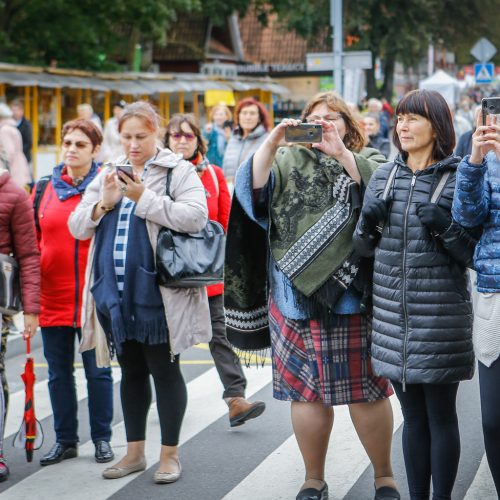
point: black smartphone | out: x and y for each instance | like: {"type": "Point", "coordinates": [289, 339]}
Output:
{"type": "Point", "coordinates": [126, 169]}
{"type": "Point", "coordinates": [490, 106]}
{"type": "Point", "coordinates": [307, 133]}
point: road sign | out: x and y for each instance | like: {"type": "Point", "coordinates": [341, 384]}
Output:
{"type": "Point", "coordinates": [324, 61]}
{"type": "Point", "coordinates": [483, 50]}
{"type": "Point", "coordinates": [484, 72]}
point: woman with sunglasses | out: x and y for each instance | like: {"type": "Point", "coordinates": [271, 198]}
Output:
{"type": "Point", "coordinates": [184, 137]}
{"type": "Point", "coordinates": [147, 325]}
{"type": "Point", "coordinates": [63, 264]}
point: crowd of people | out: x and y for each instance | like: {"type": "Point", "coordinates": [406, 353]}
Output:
{"type": "Point", "coordinates": [364, 276]}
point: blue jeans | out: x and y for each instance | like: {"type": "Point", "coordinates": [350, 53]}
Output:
{"type": "Point", "coordinates": [59, 350]}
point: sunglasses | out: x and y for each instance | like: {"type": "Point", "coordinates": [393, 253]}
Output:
{"type": "Point", "coordinates": [177, 136]}
{"type": "Point", "coordinates": [78, 144]}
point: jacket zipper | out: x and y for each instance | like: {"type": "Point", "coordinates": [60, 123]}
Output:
{"type": "Point", "coordinates": [405, 306]}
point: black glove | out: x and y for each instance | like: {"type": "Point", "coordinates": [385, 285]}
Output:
{"type": "Point", "coordinates": [435, 218]}
{"type": "Point", "coordinates": [375, 213]}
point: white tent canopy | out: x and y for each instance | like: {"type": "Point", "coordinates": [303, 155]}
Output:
{"type": "Point", "coordinates": [443, 83]}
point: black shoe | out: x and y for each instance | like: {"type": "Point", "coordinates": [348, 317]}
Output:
{"type": "Point", "coordinates": [4, 470]}
{"type": "Point", "coordinates": [313, 494]}
{"type": "Point", "coordinates": [58, 453]}
{"type": "Point", "coordinates": [387, 493]}
{"type": "Point", "coordinates": [103, 452]}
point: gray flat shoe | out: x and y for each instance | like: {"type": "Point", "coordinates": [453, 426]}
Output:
{"type": "Point", "coordinates": [167, 477]}
{"type": "Point", "coordinates": [118, 472]}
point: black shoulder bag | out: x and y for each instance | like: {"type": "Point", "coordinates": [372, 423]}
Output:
{"type": "Point", "coordinates": [189, 260]}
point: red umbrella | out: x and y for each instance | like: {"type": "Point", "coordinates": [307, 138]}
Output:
{"type": "Point", "coordinates": [30, 434]}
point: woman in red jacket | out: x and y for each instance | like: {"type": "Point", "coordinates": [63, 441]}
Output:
{"type": "Point", "coordinates": [17, 237]}
{"type": "Point", "coordinates": [63, 263]}
{"type": "Point", "coordinates": [184, 137]}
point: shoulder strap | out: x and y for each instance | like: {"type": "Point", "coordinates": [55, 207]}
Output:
{"type": "Point", "coordinates": [390, 179]}
{"type": "Point", "coordinates": [439, 188]}
{"type": "Point", "coordinates": [214, 177]}
{"type": "Point", "coordinates": [168, 181]}
{"type": "Point", "coordinates": [41, 185]}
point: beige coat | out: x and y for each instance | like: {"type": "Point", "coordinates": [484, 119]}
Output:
{"type": "Point", "coordinates": [186, 309]}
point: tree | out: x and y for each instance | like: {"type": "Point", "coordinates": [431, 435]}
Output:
{"type": "Point", "coordinates": [398, 30]}
{"type": "Point", "coordinates": [84, 34]}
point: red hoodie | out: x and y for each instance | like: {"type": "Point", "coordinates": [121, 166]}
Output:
{"type": "Point", "coordinates": [218, 208]}
{"type": "Point", "coordinates": [63, 261]}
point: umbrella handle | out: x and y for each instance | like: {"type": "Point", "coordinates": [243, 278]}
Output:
{"type": "Point", "coordinates": [28, 345]}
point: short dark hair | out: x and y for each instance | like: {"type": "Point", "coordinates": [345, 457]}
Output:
{"type": "Point", "coordinates": [175, 124]}
{"type": "Point", "coordinates": [433, 106]}
{"type": "Point", "coordinates": [90, 129]}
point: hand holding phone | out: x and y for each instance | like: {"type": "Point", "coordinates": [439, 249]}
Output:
{"type": "Point", "coordinates": [128, 170]}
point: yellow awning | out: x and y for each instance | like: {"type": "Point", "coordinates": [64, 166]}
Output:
{"type": "Point", "coordinates": [214, 97]}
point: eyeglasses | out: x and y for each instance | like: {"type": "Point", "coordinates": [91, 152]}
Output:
{"type": "Point", "coordinates": [177, 136]}
{"type": "Point", "coordinates": [328, 118]}
{"type": "Point", "coordinates": [78, 144]}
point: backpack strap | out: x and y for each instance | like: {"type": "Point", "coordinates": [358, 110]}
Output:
{"type": "Point", "coordinates": [439, 188]}
{"type": "Point", "coordinates": [389, 182]}
{"type": "Point", "coordinates": [214, 178]}
{"type": "Point", "coordinates": [41, 185]}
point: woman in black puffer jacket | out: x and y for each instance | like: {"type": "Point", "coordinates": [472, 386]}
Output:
{"type": "Point", "coordinates": [422, 314]}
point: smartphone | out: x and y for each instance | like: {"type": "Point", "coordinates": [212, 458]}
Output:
{"type": "Point", "coordinates": [126, 169]}
{"type": "Point", "coordinates": [490, 106]}
{"type": "Point", "coordinates": [307, 133]}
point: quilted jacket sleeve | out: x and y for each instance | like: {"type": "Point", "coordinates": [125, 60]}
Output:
{"type": "Point", "coordinates": [26, 252]}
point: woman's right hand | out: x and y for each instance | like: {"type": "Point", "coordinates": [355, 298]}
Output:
{"type": "Point", "coordinates": [277, 136]}
{"type": "Point", "coordinates": [485, 138]}
{"type": "Point", "coordinates": [111, 193]}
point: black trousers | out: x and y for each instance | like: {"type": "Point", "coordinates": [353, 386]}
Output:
{"type": "Point", "coordinates": [226, 362]}
{"type": "Point", "coordinates": [431, 439]}
{"type": "Point", "coordinates": [139, 361]}
{"type": "Point", "coordinates": [489, 385]}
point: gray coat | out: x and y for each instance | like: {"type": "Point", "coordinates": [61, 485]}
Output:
{"type": "Point", "coordinates": [186, 309]}
{"type": "Point", "coordinates": [239, 149]}
{"type": "Point", "coordinates": [422, 313]}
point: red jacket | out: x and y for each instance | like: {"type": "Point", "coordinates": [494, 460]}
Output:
{"type": "Point", "coordinates": [218, 208]}
{"type": "Point", "coordinates": [63, 261]}
{"type": "Point", "coordinates": [18, 236]}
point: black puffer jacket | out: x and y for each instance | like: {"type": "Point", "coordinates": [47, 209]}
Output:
{"type": "Point", "coordinates": [422, 314]}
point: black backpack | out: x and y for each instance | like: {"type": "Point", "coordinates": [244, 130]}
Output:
{"type": "Point", "coordinates": [41, 185]}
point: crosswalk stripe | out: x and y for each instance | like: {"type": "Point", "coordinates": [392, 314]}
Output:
{"type": "Point", "coordinates": [346, 461]}
{"type": "Point", "coordinates": [82, 476]}
{"type": "Point", "coordinates": [43, 407]}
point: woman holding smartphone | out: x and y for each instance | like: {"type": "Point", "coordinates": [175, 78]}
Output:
{"type": "Point", "coordinates": [148, 326]}
{"type": "Point", "coordinates": [422, 313]}
{"type": "Point", "coordinates": [477, 203]}
{"type": "Point", "coordinates": [307, 198]}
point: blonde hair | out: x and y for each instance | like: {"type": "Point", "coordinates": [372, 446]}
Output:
{"type": "Point", "coordinates": [353, 139]}
{"type": "Point", "coordinates": [216, 108]}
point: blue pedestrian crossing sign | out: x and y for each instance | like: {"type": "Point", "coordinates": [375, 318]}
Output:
{"type": "Point", "coordinates": [484, 72]}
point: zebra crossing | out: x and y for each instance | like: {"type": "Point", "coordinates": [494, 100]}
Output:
{"type": "Point", "coordinates": [259, 460]}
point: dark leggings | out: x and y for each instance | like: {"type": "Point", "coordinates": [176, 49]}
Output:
{"type": "Point", "coordinates": [137, 362]}
{"type": "Point", "coordinates": [431, 439]}
{"type": "Point", "coordinates": [489, 384]}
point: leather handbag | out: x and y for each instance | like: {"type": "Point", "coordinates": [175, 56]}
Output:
{"type": "Point", "coordinates": [189, 260]}
{"type": "Point", "coordinates": [10, 287]}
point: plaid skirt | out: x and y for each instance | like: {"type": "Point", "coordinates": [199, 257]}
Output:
{"type": "Point", "coordinates": [315, 363]}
